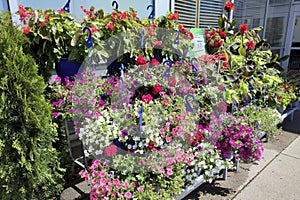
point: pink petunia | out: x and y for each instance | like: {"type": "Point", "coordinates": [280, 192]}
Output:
{"type": "Point", "coordinates": [128, 195]}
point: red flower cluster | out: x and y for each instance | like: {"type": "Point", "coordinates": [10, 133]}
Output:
{"type": "Point", "coordinates": [24, 14]}
{"type": "Point", "coordinates": [250, 45]}
{"type": "Point", "coordinates": [225, 65]}
{"type": "Point", "coordinates": [87, 12]}
{"type": "Point", "coordinates": [185, 31]}
{"type": "Point", "coordinates": [43, 24]}
{"type": "Point", "coordinates": [243, 28]}
{"type": "Point", "coordinates": [110, 151]}
{"type": "Point", "coordinates": [190, 140]}
{"type": "Point", "coordinates": [151, 145]}
{"type": "Point", "coordinates": [140, 60]}
{"type": "Point", "coordinates": [199, 136]}
{"type": "Point", "coordinates": [110, 26]}
{"type": "Point", "coordinates": [287, 89]}
{"type": "Point", "coordinates": [156, 89]}
{"type": "Point", "coordinates": [215, 38]}
{"type": "Point", "coordinates": [26, 29]}
{"type": "Point", "coordinates": [218, 43]}
{"type": "Point", "coordinates": [229, 6]}
{"type": "Point", "coordinates": [147, 98]}
{"type": "Point", "coordinates": [174, 16]}
{"type": "Point", "coordinates": [94, 29]}
{"type": "Point", "coordinates": [154, 62]}
{"type": "Point", "coordinates": [222, 34]}
{"type": "Point", "coordinates": [122, 16]}
{"type": "Point", "coordinates": [113, 16]}
{"type": "Point", "coordinates": [221, 87]}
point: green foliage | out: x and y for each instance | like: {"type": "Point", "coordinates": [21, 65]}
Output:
{"type": "Point", "coordinates": [29, 167]}
{"type": "Point", "coordinates": [265, 119]}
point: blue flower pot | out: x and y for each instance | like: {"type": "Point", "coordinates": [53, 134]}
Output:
{"type": "Point", "coordinates": [66, 68]}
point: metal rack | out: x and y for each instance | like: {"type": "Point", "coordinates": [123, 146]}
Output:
{"type": "Point", "coordinates": [76, 150]}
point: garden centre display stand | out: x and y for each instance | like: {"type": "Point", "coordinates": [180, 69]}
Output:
{"type": "Point", "coordinates": [75, 145]}
{"type": "Point", "coordinates": [199, 181]}
{"type": "Point", "coordinates": [290, 112]}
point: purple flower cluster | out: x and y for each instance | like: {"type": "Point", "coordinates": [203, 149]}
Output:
{"type": "Point", "coordinates": [239, 139]}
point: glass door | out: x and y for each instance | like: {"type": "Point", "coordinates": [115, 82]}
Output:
{"type": "Point", "coordinates": [294, 61]}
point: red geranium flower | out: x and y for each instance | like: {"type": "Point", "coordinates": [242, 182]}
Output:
{"type": "Point", "coordinates": [47, 17]}
{"type": "Point", "coordinates": [222, 34]}
{"type": "Point", "coordinates": [174, 16]}
{"type": "Point", "coordinates": [250, 45]}
{"type": "Point", "coordinates": [43, 24]}
{"type": "Point", "coordinates": [191, 35]}
{"type": "Point", "coordinates": [110, 151]}
{"type": "Point", "coordinates": [140, 60]}
{"type": "Point", "coordinates": [225, 65]}
{"type": "Point", "coordinates": [184, 31]}
{"type": "Point", "coordinates": [110, 26]}
{"type": "Point", "coordinates": [94, 29]}
{"type": "Point", "coordinates": [26, 29]}
{"type": "Point", "coordinates": [151, 145]}
{"type": "Point", "coordinates": [180, 26]}
{"type": "Point", "coordinates": [113, 15]}
{"type": "Point", "coordinates": [122, 16]}
{"type": "Point", "coordinates": [61, 11]}
{"type": "Point", "coordinates": [243, 28]}
{"type": "Point", "coordinates": [154, 61]}
{"type": "Point", "coordinates": [147, 98]}
{"type": "Point", "coordinates": [158, 43]}
{"type": "Point", "coordinates": [218, 43]}
{"type": "Point", "coordinates": [229, 6]}
{"type": "Point", "coordinates": [156, 89]}
{"type": "Point", "coordinates": [199, 136]}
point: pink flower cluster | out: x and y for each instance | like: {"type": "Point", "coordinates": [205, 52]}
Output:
{"type": "Point", "coordinates": [239, 138]}
{"type": "Point", "coordinates": [106, 186]}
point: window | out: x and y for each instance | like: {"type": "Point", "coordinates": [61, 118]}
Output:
{"type": "Point", "coordinates": [210, 11]}
{"type": "Point", "coordinates": [187, 12]}
{"type": "Point", "coordinates": [199, 13]}
{"type": "Point", "coordinates": [274, 34]}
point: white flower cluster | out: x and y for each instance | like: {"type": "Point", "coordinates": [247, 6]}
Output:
{"type": "Point", "coordinates": [98, 132]}
{"type": "Point", "coordinates": [206, 161]}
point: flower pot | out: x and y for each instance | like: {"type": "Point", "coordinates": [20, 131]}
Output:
{"type": "Point", "coordinates": [157, 53]}
{"type": "Point", "coordinates": [66, 68]}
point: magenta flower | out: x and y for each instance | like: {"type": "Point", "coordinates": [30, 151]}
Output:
{"type": "Point", "coordinates": [128, 195]}
{"type": "Point", "coordinates": [55, 114]}
{"type": "Point", "coordinates": [140, 189]}
{"type": "Point", "coordinates": [147, 98]}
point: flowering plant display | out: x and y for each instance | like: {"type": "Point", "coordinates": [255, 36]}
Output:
{"type": "Point", "coordinates": [236, 140]}
{"type": "Point", "coordinates": [262, 119]}
{"type": "Point", "coordinates": [160, 120]}
{"type": "Point", "coordinates": [51, 33]}
{"type": "Point", "coordinates": [206, 160]}
{"type": "Point", "coordinates": [248, 65]}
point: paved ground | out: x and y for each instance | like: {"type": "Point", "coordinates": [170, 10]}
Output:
{"type": "Point", "coordinates": [276, 176]}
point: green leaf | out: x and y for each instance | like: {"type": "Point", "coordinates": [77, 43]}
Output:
{"type": "Point", "coordinates": [242, 50]}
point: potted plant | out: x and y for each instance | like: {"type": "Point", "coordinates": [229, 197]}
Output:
{"type": "Point", "coordinates": [51, 32]}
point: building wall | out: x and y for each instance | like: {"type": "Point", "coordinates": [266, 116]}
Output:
{"type": "Point", "coordinates": [3, 5]}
